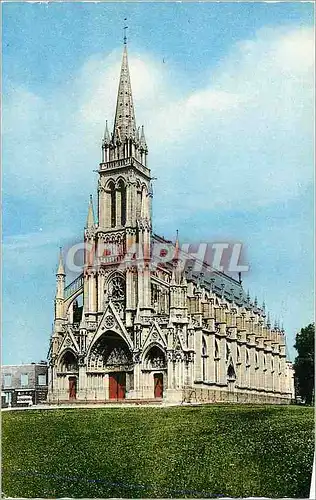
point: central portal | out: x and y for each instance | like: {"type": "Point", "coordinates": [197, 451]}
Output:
{"type": "Point", "coordinates": [117, 385]}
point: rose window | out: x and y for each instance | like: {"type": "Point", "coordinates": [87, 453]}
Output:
{"type": "Point", "coordinates": [117, 288]}
{"type": "Point", "coordinates": [116, 293]}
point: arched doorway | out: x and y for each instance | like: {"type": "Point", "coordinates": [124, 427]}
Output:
{"type": "Point", "coordinates": [158, 385]}
{"type": "Point", "coordinates": [112, 357]}
{"type": "Point", "coordinates": [69, 365]}
{"type": "Point", "coordinates": [156, 365]}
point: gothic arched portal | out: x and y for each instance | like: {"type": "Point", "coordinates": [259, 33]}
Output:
{"type": "Point", "coordinates": [68, 362]}
{"type": "Point", "coordinates": [155, 359]}
{"type": "Point", "coordinates": [155, 364]}
{"type": "Point", "coordinates": [110, 352]}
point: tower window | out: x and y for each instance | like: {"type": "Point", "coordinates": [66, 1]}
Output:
{"type": "Point", "coordinates": [113, 204]}
{"type": "Point", "coordinates": [122, 190]}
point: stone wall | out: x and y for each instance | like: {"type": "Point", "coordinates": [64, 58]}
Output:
{"type": "Point", "coordinates": [203, 395]}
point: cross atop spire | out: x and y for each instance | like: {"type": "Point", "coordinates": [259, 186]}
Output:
{"type": "Point", "coordinates": [124, 123]}
{"type": "Point", "coordinates": [125, 28]}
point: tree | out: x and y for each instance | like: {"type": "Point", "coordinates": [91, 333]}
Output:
{"type": "Point", "coordinates": [304, 363]}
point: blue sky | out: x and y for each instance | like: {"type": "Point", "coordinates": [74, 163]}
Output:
{"type": "Point", "coordinates": [225, 92]}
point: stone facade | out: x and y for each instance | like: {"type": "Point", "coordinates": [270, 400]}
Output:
{"type": "Point", "coordinates": [138, 331]}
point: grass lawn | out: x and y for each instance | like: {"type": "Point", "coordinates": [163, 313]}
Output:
{"type": "Point", "coordinates": [201, 451]}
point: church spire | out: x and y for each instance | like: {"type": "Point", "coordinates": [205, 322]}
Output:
{"type": "Point", "coordinates": [124, 123]}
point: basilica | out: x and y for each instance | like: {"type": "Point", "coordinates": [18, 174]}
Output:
{"type": "Point", "coordinates": [128, 330]}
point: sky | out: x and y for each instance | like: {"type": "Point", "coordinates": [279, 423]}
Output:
{"type": "Point", "coordinates": [225, 92]}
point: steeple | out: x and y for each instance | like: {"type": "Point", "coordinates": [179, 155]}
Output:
{"type": "Point", "coordinates": [60, 269]}
{"type": "Point", "coordinates": [124, 123]}
{"type": "Point", "coordinates": [127, 141]}
{"type": "Point", "coordinates": [90, 218]}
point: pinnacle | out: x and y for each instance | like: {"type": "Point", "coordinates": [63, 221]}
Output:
{"type": "Point", "coordinates": [268, 320]}
{"type": "Point", "coordinates": [176, 252]}
{"type": "Point", "coordinates": [60, 269]}
{"type": "Point", "coordinates": [143, 143]}
{"type": "Point", "coordinates": [90, 217]}
{"type": "Point", "coordinates": [106, 137]}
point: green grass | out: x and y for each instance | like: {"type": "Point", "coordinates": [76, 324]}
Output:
{"type": "Point", "coordinates": [158, 452]}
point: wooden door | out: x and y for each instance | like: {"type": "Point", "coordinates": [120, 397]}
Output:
{"type": "Point", "coordinates": [72, 388]}
{"type": "Point", "coordinates": [121, 385]}
{"type": "Point", "coordinates": [158, 385]}
{"type": "Point", "coordinates": [112, 386]}
{"type": "Point", "coordinates": [117, 385]}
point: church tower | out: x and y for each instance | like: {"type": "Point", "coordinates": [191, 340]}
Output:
{"type": "Point", "coordinates": [123, 227]}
